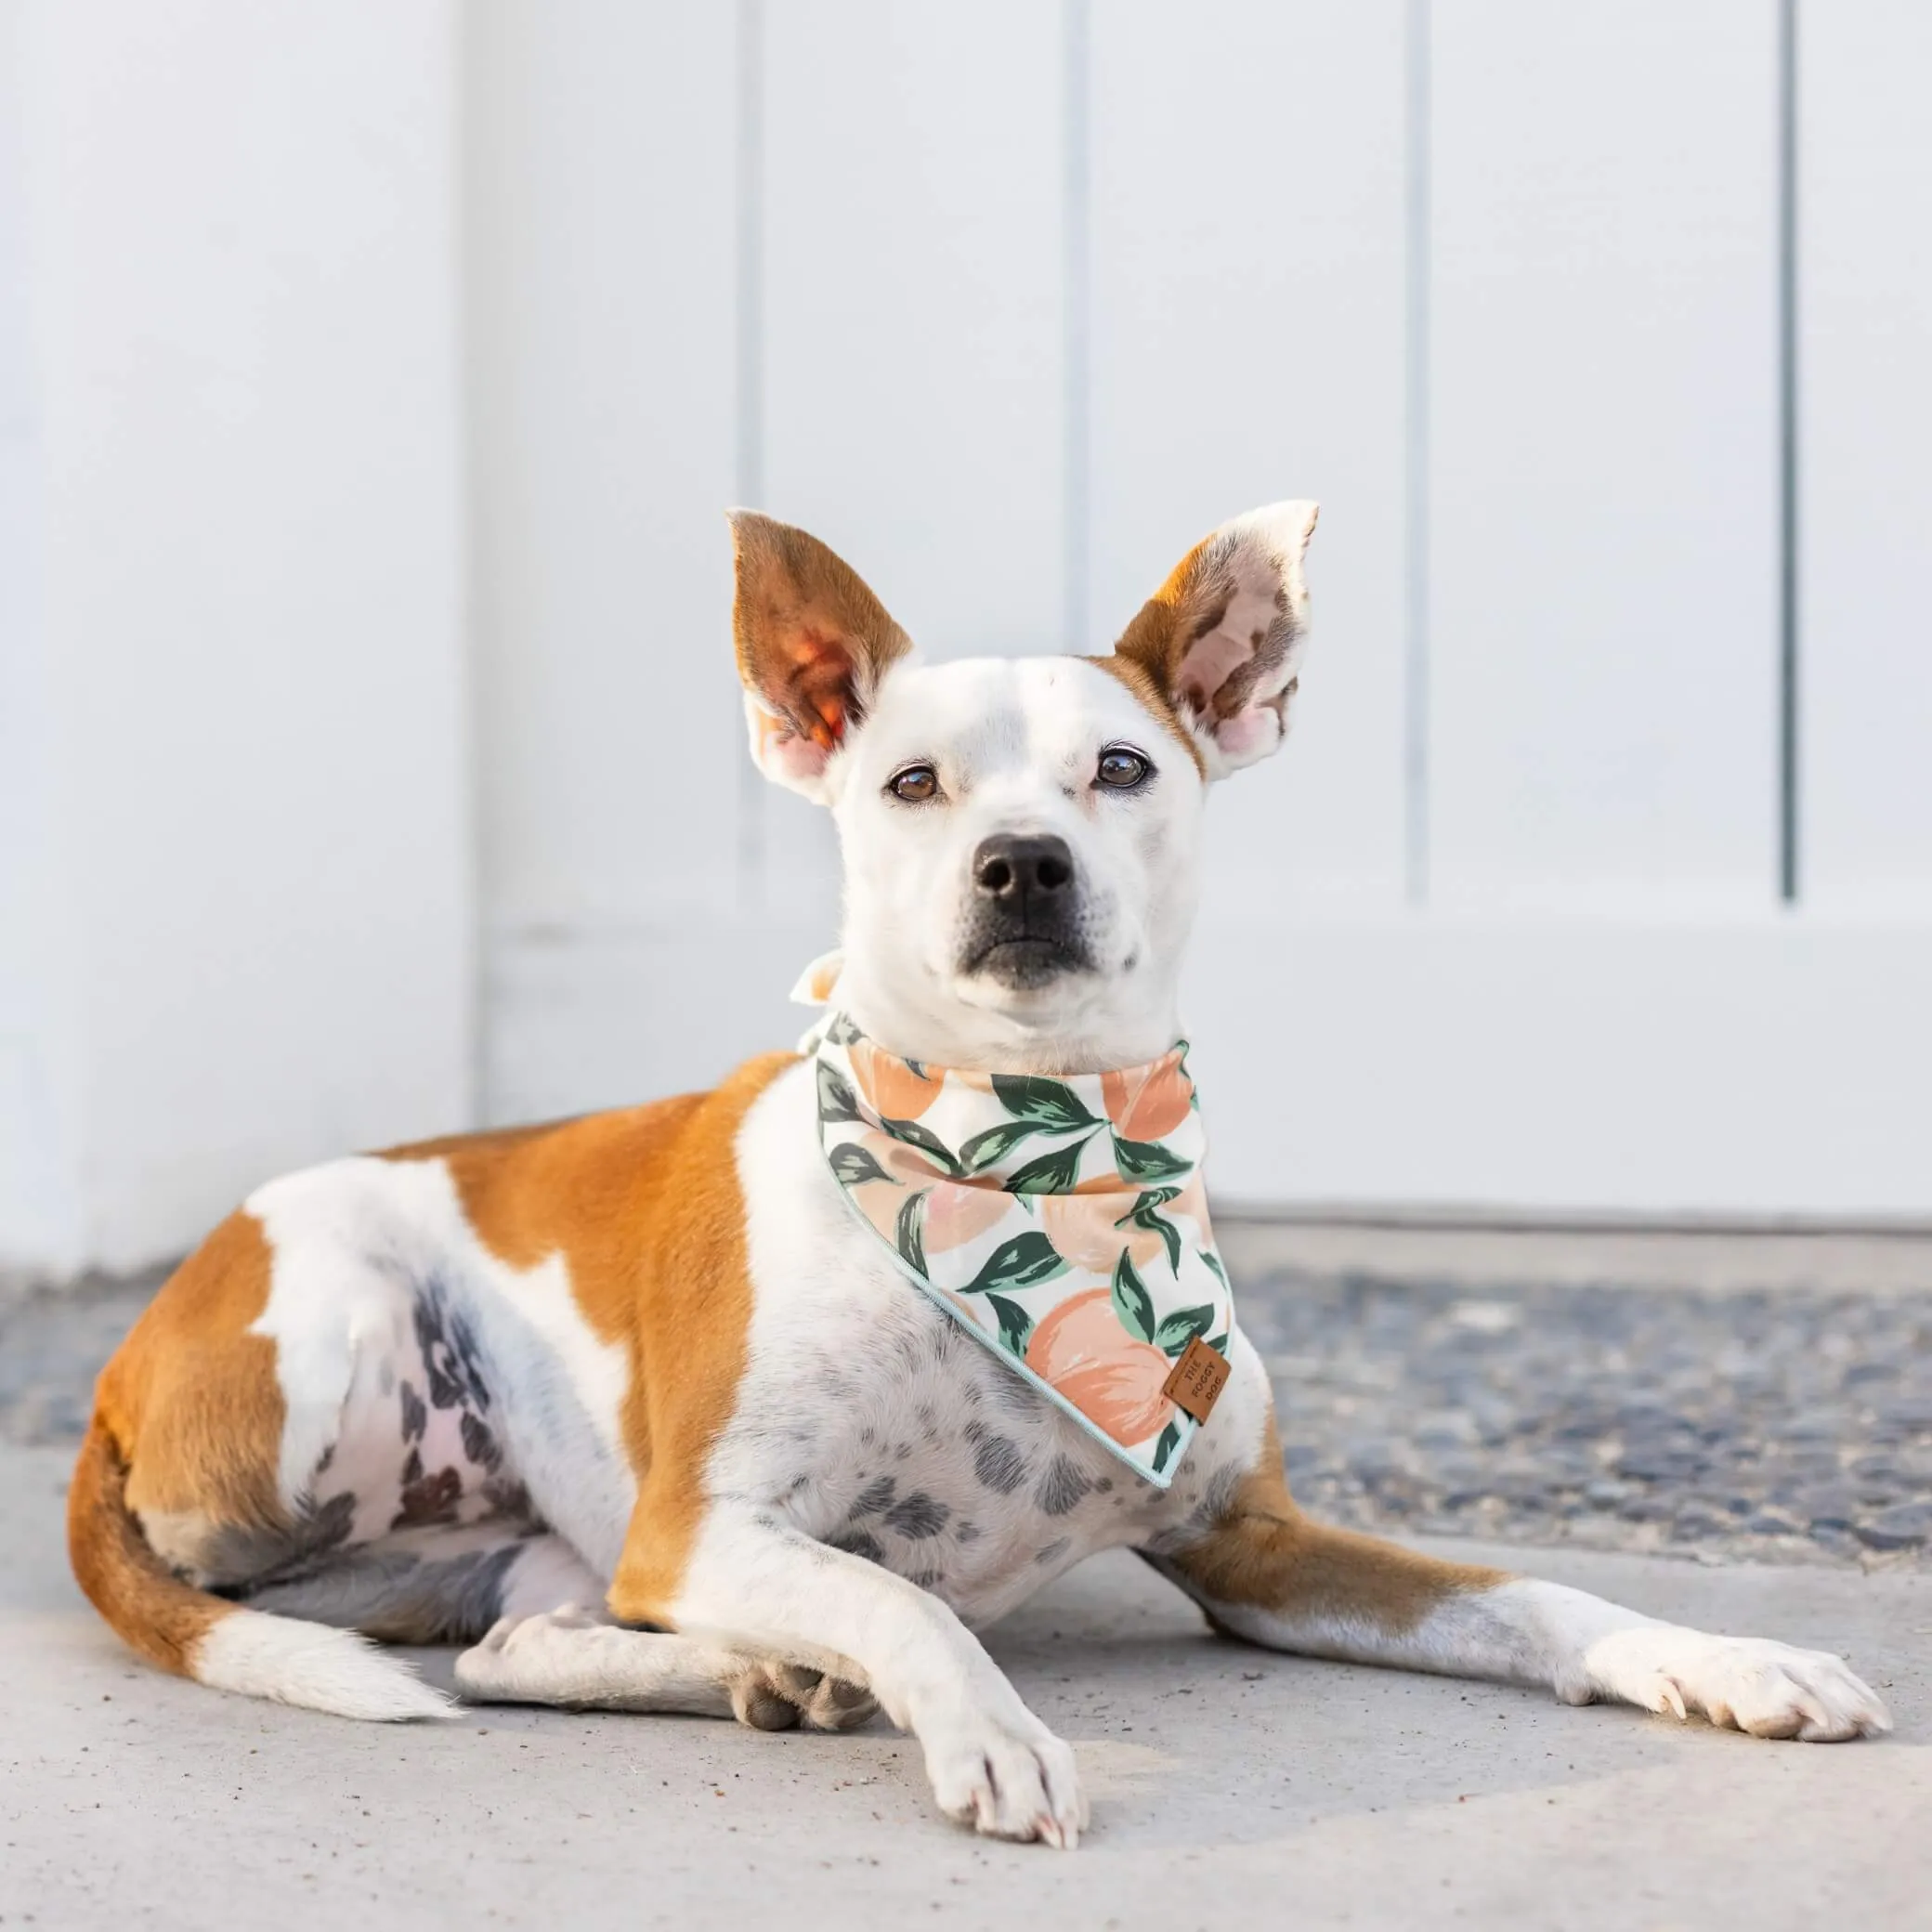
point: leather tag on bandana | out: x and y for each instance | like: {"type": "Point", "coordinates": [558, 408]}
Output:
{"type": "Point", "coordinates": [1197, 1380]}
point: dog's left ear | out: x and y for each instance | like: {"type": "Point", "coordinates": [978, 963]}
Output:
{"type": "Point", "coordinates": [813, 644]}
{"type": "Point", "coordinates": [1220, 643]}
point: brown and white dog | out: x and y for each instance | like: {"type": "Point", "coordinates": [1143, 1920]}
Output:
{"type": "Point", "coordinates": [650, 1361]}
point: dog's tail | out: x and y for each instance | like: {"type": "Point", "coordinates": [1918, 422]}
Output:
{"type": "Point", "coordinates": [196, 1635]}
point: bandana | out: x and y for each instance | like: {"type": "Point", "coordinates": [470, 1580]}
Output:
{"type": "Point", "coordinates": [1060, 1220]}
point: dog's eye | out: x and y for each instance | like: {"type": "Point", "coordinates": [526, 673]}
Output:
{"type": "Point", "coordinates": [916, 784]}
{"type": "Point", "coordinates": [1121, 769]}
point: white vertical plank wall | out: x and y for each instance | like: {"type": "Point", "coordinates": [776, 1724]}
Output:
{"type": "Point", "coordinates": [602, 155]}
{"type": "Point", "coordinates": [41, 1206]}
{"type": "Point", "coordinates": [239, 845]}
{"type": "Point", "coordinates": [1864, 316]}
{"type": "Point", "coordinates": [603, 395]}
{"type": "Point", "coordinates": [1602, 491]}
{"type": "Point", "coordinates": [1011, 305]}
{"type": "Point", "coordinates": [1603, 332]}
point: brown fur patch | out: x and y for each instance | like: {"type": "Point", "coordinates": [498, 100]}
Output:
{"type": "Point", "coordinates": [1264, 1554]}
{"type": "Point", "coordinates": [190, 1399]}
{"type": "Point", "coordinates": [1192, 606]}
{"type": "Point", "coordinates": [1140, 682]}
{"type": "Point", "coordinates": [476, 1147]}
{"type": "Point", "coordinates": [1158, 639]}
{"type": "Point", "coordinates": [645, 1206]}
{"type": "Point", "coordinates": [151, 1612]}
{"type": "Point", "coordinates": [812, 639]}
{"type": "Point", "coordinates": [187, 1422]}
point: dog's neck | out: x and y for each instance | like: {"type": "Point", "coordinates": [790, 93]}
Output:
{"type": "Point", "coordinates": [1101, 1028]}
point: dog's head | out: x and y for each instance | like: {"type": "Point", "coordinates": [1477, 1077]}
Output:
{"type": "Point", "coordinates": [1020, 836]}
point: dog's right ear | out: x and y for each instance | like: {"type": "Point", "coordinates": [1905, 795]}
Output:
{"type": "Point", "coordinates": [1218, 646]}
{"type": "Point", "coordinates": [813, 644]}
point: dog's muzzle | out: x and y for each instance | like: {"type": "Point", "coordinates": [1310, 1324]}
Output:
{"type": "Point", "coordinates": [1024, 924]}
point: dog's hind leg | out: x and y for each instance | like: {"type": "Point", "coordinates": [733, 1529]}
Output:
{"type": "Point", "coordinates": [574, 1657]}
{"type": "Point", "coordinates": [433, 1585]}
{"type": "Point", "coordinates": [176, 1501]}
{"type": "Point", "coordinates": [1263, 1572]}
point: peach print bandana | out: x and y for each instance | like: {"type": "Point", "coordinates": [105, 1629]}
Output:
{"type": "Point", "coordinates": [1060, 1220]}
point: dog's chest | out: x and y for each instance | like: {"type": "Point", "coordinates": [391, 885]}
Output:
{"type": "Point", "coordinates": [875, 1423]}
{"type": "Point", "coordinates": [911, 1447]}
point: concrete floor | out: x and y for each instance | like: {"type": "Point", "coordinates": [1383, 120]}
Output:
{"type": "Point", "coordinates": [1230, 1788]}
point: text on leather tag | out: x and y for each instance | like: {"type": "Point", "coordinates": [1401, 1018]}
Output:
{"type": "Point", "coordinates": [1197, 1380]}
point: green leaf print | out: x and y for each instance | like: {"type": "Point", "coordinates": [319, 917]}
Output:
{"type": "Point", "coordinates": [852, 1165]}
{"type": "Point", "coordinates": [1024, 1263]}
{"type": "Point", "coordinates": [910, 1232]}
{"type": "Point", "coordinates": [1181, 1326]}
{"type": "Point", "coordinates": [836, 1099]}
{"type": "Point", "coordinates": [1047, 1103]}
{"type": "Point", "coordinates": [1213, 1260]}
{"type": "Point", "coordinates": [1015, 1324]}
{"type": "Point", "coordinates": [1052, 1174]}
{"type": "Point", "coordinates": [1170, 1442]}
{"type": "Point", "coordinates": [1131, 1301]}
{"type": "Point", "coordinates": [842, 1032]}
{"type": "Point", "coordinates": [1219, 1343]}
{"type": "Point", "coordinates": [925, 1140]}
{"type": "Point", "coordinates": [997, 1142]}
{"type": "Point", "coordinates": [1144, 1214]}
{"type": "Point", "coordinates": [1146, 1160]}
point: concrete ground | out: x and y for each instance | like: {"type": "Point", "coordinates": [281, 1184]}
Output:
{"type": "Point", "coordinates": [1230, 1788]}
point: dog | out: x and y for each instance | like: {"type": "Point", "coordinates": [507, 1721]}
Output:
{"type": "Point", "coordinates": [636, 1407]}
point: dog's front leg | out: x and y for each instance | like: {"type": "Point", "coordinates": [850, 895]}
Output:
{"type": "Point", "coordinates": [753, 1584]}
{"type": "Point", "coordinates": [1263, 1572]}
{"type": "Point", "coordinates": [572, 1657]}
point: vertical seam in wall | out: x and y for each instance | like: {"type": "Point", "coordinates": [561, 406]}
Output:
{"type": "Point", "coordinates": [1077, 296]}
{"type": "Point", "coordinates": [749, 456]}
{"type": "Point", "coordinates": [1787, 453]}
{"type": "Point", "coordinates": [1416, 238]}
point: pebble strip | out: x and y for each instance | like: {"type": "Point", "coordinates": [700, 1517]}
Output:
{"type": "Point", "coordinates": [1789, 1425]}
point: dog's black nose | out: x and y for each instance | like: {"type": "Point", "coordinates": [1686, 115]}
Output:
{"type": "Point", "coordinates": [1012, 869]}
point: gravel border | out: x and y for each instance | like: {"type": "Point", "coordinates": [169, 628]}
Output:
{"type": "Point", "coordinates": [1780, 1425]}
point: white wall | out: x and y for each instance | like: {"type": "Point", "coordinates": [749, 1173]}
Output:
{"type": "Point", "coordinates": [373, 372]}
{"type": "Point", "coordinates": [1865, 428]}
{"type": "Point", "coordinates": [1603, 456]}
{"type": "Point", "coordinates": [1011, 305]}
{"type": "Point", "coordinates": [235, 870]}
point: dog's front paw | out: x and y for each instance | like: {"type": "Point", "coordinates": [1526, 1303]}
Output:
{"type": "Point", "coordinates": [1007, 1776]}
{"type": "Point", "coordinates": [1746, 1683]}
{"type": "Point", "coordinates": [771, 1696]}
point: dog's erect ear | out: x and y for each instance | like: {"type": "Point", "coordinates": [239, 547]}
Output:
{"type": "Point", "coordinates": [1220, 643]}
{"type": "Point", "coordinates": [812, 643]}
